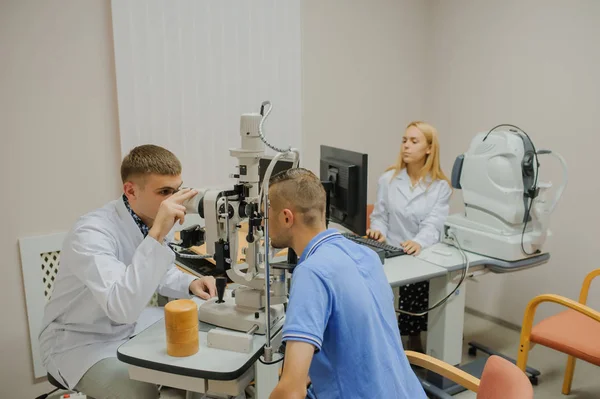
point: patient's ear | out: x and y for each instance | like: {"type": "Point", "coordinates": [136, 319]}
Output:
{"type": "Point", "coordinates": [288, 217]}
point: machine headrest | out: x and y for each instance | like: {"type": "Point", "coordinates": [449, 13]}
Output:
{"type": "Point", "coordinates": [456, 171]}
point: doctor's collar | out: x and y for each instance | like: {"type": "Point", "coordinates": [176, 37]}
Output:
{"type": "Point", "coordinates": [138, 221]}
{"type": "Point", "coordinates": [403, 175]}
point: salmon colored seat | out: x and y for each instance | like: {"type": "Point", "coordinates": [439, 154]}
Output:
{"type": "Point", "coordinates": [501, 379]}
{"type": "Point", "coordinates": [570, 332]}
{"type": "Point", "coordinates": [574, 331]}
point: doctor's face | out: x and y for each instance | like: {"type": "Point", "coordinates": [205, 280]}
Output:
{"type": "Point", "coordinates": [415, 147]}
{"type": "Point", "coordinates": [146, 194]}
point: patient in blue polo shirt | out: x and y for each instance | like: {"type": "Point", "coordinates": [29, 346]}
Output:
{"type": "Point", "coordinates": [341, 328]}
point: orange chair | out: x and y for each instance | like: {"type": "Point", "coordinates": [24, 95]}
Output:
{"type": "Point", "coordinates": [574, 331]}
{"type": "Point", "coordinates": [369, 211]}
{"type": "Point", "coordinates": [501, 379]}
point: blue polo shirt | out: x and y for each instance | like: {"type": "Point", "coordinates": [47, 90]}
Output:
{"type": "Point", "coordinates": [341, 302]}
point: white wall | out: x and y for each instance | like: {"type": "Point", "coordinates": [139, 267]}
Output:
{"type": "Point", "coordinates": [187, 70]}
{"type": "Point", "coordinates": [363, 77]}
{"type": "Point", "coordinates": [533, 64]}
{"type": "Point", "coordinates": [59, 155]}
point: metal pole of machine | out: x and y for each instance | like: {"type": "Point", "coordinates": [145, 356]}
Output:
{"type": "Point", "coordinates": [268, 352]}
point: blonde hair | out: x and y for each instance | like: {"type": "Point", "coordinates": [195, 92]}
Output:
{"type": "Point", "coordinates": [149, 159]}
{"type": "Point", "coordinates": [432, 160]}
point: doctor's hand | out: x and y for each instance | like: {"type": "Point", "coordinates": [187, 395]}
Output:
{"type": "Point", "coordinates": [204, 288]}
{"type": "Point", "coordinates": [411, 247]}
{"type": "Point", "coordinates": [375, 235]}
{"type": "Point", "coordinates": [171, 210]}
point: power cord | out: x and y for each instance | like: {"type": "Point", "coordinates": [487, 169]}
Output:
{"type": "Point", "coordinates": [44, 396]}
{"type": "Point", "coordinates": [464, 274]}
{"type": "Point", "coordinates": [273, 362]}
{"type": "Point", "coordinates": [264, 115]}
{"type": "Point", "coordinates": [280, 351]}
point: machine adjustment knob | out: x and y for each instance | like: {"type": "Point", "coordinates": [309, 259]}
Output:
{"type": "Point", "coordinates": [221, 283]}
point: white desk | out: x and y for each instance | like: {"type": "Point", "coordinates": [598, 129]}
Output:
{"type": "Point", "coordinates": [407, 269]}
{"type": "Point", "coordinates": [209, 369]}
{"type": "Point", "coordinates": [446, 323]}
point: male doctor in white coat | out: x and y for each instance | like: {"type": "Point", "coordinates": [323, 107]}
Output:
{"type": "Point", "coordinates": [112, 262]}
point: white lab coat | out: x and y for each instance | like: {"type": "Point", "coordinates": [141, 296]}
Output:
{"type": "Point", "coordinates": [403, 213]}
{"type": "Point", "coordinates": [108, 273]}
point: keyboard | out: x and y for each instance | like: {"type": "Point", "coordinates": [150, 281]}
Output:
{"type": "Point", "coordinates": [389, 250]}
{"type": "Point", "coordinates": [200, 266]}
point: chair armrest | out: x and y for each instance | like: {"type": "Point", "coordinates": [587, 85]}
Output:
{"type": "Point", "coordinates": [525, 343]}
{"type": "Point", "coordinates": [561, 300]}
{"type": "Point", "coordinates": [444, 369]}
{"type": "Point", "coordinates": [585, 287]}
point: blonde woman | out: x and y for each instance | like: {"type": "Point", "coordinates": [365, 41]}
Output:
{"type": "Point", "coordinates": [412, 206]}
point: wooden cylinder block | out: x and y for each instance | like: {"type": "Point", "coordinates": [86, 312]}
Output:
{"type": "Point", "coordinates": [181, 325]}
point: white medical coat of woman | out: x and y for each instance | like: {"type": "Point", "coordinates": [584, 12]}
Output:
{"type": "Point", "coordinates": [404, 213]}
{"type": "Point", "coordinates": [107, 275]}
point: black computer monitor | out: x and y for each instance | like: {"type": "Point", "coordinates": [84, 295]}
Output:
{"type": "Point", "coordinates": [346, 172]}
{"type": "Point", "coordinates": [281, 165]}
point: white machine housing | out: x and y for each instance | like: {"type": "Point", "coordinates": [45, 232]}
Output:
{"type": "Point", "coordinates": [223, 211]}
{"type": "Point", "coordinates": [498, 176]}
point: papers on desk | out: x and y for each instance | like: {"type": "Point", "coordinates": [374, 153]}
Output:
{"type": "Point", "coordinates": [442, 255]}
{"type": "Point", "coordinates": [449, 257]}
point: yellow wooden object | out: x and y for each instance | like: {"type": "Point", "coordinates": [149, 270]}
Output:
{"type": "Point", "coordinates": [181, 325]}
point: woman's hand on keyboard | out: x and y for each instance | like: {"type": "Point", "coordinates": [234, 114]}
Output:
{"type": "Point", "coordinates": [411, 247]}
{"type": "Point", "coordinates": [375, 235]}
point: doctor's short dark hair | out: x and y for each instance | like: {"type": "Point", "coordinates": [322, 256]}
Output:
{"type": "Point", "coordinates": [149, 159]}
{"type": "Point", "coordinates": [301, 191]}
